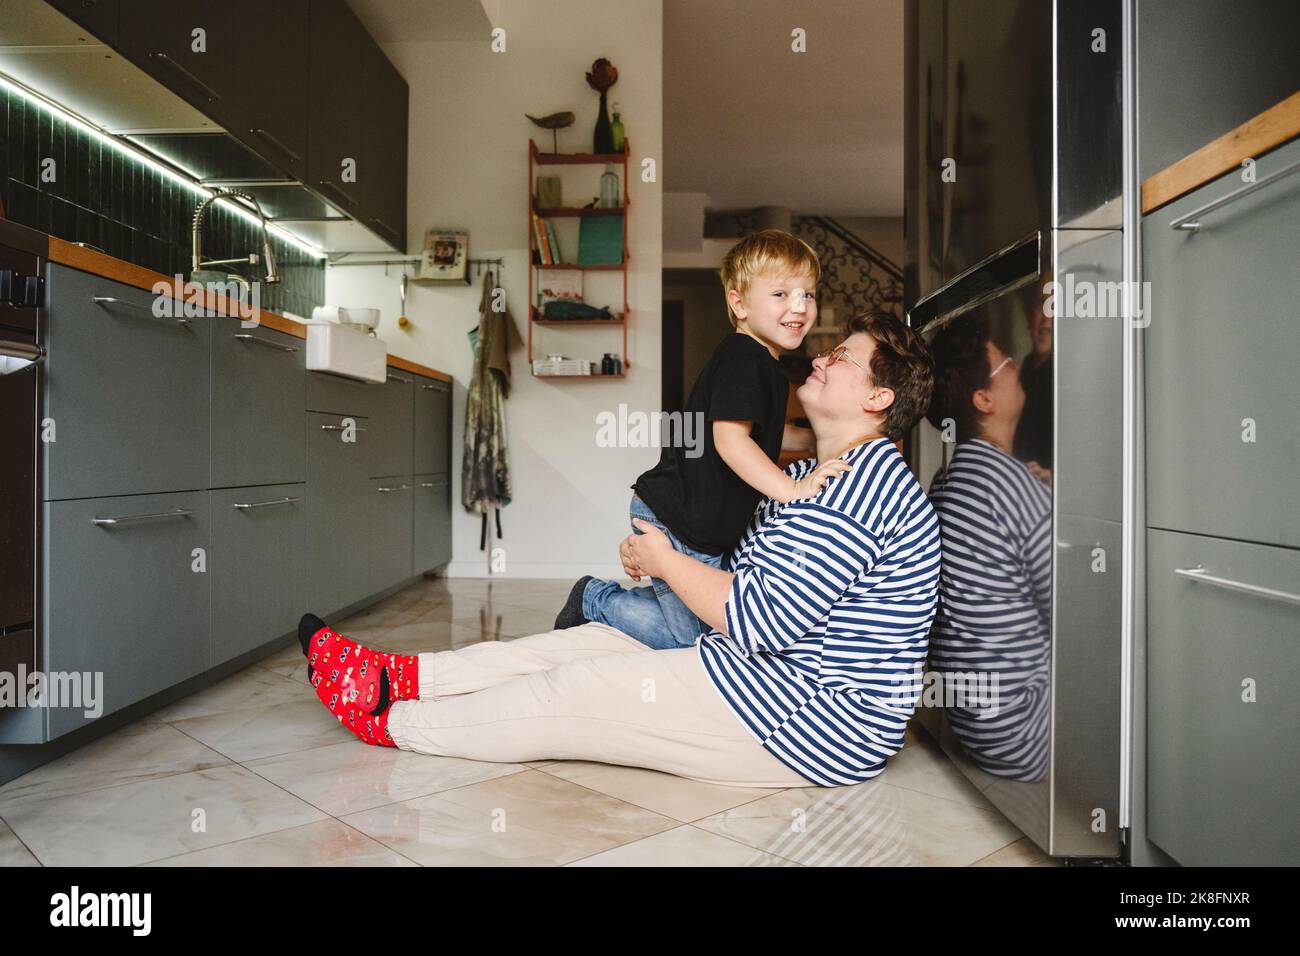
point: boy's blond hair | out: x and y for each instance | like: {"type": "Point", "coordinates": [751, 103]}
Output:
{"type": "Point", "coordinates": [761, 253]}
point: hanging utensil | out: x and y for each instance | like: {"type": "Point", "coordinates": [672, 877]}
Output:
{"type": "Point", "coordinates": [402, 320]}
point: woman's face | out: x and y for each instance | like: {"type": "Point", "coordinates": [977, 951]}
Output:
{"type": "Point", "coordinates": [1006, 396]}
{"type": "Point", "coordinates": [840, 391]}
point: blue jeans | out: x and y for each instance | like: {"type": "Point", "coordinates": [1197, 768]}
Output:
{"type": "Point", "coordinates": [655, 616]}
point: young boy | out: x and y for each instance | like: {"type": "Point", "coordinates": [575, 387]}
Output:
{"type": "Point", "coordinates": [703, 503]}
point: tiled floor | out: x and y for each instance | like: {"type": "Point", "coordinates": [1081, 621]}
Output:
{"type": "Point", "coordinates": [253, 771]}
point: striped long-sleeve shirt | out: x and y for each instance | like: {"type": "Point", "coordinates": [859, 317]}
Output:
{"type": "Point", "coordinates": [829, 614]}
{"type": "Point", "coordinates": [994, 618]}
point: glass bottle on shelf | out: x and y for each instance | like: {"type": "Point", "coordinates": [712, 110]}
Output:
{"type": "Point", "coordinates": [609, 188]}
{"type": "Point", "coordinates": [616, 129]}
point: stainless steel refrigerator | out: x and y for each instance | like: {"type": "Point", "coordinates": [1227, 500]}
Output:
{"type": "Point", "coordinates": [1013, 182]}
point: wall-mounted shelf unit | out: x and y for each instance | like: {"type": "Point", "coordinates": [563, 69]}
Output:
{"type": "Point", "coordinates": [537, 159]}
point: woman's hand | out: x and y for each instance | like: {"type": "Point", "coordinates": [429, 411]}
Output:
{"type": "Point", "coordinates": [644, 553]}
{"type": "Point", "coordinates": [810, 484]}
{"type": "Point", "coordinates": [630, 567]}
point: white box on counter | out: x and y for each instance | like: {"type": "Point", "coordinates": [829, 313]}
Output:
{"type": "Point", "coordinates": [346, 351]}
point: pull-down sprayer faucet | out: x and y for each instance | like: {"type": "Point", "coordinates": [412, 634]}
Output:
{"type": "Point", "coordinates": [196, 258]}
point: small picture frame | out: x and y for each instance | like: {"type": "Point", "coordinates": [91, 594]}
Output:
{"type": "Point", "coordinates": [445, 256]}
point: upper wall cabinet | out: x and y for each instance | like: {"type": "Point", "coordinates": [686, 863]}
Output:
{"type": "Point", "coordinates": [337, 123]}
{"type": "Point", "coordinates": [274, 80]}
{"type": "Point", "coordinates": [300, 83]}
{"type": "Point", "coordinates": [189, 46]}
{"type": "Point", "coordinates": [384, 184]}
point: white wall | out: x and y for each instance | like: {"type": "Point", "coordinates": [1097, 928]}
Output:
{"type": "Point", "coordinates": [468, 168]}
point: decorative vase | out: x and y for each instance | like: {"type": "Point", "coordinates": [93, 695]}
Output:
{"type": "Point", "coordinates": [603, 139]}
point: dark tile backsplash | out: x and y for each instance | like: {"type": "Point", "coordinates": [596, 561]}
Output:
{"type": "Point", "coordinates": [108, 200]}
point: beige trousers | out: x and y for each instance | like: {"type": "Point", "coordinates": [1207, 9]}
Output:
{"type": "Point", "coordinates": [585, 693]}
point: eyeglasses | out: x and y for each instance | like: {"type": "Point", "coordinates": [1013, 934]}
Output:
{"type": "Point", "coordinates": [1001, 365]}
{"type": "Point", "coordinates": [839, 352]}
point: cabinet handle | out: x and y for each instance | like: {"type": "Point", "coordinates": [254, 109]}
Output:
{"type": "Point", "coordinates": [434, 388]}
{"type": "Point", "coordinates": [105, 300]}
{"type": "Point", "coordinates": [402, 487]}
{"type": "Point", "coordinates": [1198, 574]}
{"type": "Point", "coordinates": [266, 504]}
{"type": "Point", "coordinates": [339, 428]}
{"type": "Point", "coordinates": [398, 378]}
{"type": "Point", "coordinates": [426, 484]}
{"type": "Point", "coordinates": [338, 193]}
{"type": "Point", "coordinates": [245, 337]}
{"type": "Point", "coordinates": [178, 513]}
{"type": "Point", "coordinates": [1190, 221]}
{"type": "Point", "coordinates": [267, 137]}
{"type": "Point", "coordinates": [189, 77]}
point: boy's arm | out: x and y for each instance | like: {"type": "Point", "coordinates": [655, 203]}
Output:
{"type": "Point", "coordinates": [798, 438]}
{"type": "Point", "coordinates": [746, 459]}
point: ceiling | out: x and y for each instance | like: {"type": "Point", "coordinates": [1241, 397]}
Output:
{"type": "Point", "coordinates": [749, 123]}
{"type": "Point", "coordinates": [390, 21]}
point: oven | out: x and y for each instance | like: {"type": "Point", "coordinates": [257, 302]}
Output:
{"type": "Point", "coordinates": [22, 349]}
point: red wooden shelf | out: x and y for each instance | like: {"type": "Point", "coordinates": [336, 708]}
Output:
{"type": "Point", "coordinates": [537, 158]}
{"type": "Point", "coordinates": [574, 265]}
{"type": "Point", "coordinates": [575, 211]}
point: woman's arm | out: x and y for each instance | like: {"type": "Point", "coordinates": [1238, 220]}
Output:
{"type": "Point", "coordinates": [702, 588]}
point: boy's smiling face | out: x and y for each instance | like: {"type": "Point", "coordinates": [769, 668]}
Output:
{"type": "Point", "coordinates": [776, 310]}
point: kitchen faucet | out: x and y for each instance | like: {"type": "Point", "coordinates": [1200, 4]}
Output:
{"type": "Point", "coordinates": [196, 258]}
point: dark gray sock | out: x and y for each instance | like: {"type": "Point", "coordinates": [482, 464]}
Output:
{"type": "Point", "coordinates": [571, 614]}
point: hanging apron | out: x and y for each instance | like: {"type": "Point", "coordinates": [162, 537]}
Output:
{"type": "Point", "coordinates": [485, 468]}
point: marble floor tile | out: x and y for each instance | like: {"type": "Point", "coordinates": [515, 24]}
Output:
{"type": "Point", "coordinates": [251, 687]}
{"type": "Point", "coordinates": [12, 851]}
{"type": "Point", "coordinates": [266, 731]}
{"type": "Point", "coordinates": [870, 824]}
{"type": "Point", "coordinates": [662, 793]}
{"type": "Point", "coordinates": [140, 822]}
{"type": "Point", "coordinates": [140, 751]}
{"type": "Point", "coordinates": [685, 846]}
{"type": "Point", "coordinates": [348, 777]}
{"type": "Point", "coordinates": [526, 819]}
{"type": "Point", "coordinates": [1021, 853]}
{"type": "Point", "coordinates": [325, 843]}
{"type": "Point", "coordinates": [925, 768]}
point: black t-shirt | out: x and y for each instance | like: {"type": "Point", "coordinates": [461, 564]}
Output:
{"type": "Point", "coordinates": [701, 499]}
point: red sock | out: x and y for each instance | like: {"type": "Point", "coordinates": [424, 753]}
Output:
{"type": "Point", "coordinates": [332, 653]}
{"type": "Point", "coordinates": [337, 695]}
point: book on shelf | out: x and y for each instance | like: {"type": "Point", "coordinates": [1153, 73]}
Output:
{"type": "Point", "coordinates": [556, 257]}
{"type": "Point", "coordinates": [539, 236]}
{"type": "Point", "coordinates": [600, 240]}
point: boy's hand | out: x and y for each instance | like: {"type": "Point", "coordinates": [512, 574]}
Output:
{"type": "Point", "coordinates": [646, 551]}
{"type": "Point", "coordinates": [810, 484]}
{"type": "Point", "coordinates": [630, 567]}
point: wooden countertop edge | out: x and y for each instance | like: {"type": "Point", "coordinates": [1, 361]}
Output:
{"type": "Point", "coordinates": [1256, 136]}
{"type": "Point", "coordinates": [110, 267]}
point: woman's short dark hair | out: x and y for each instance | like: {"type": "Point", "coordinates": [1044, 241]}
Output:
{"type": "Point", "coordinates": [900, 361]}
{"type": "Point", "coordinates": [961, 368]}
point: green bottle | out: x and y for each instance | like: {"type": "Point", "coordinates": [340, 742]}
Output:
{"type": "Point", "coordinates": [617, 128]}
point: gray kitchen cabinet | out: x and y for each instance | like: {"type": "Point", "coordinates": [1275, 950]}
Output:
{"type": "Point", "coordinates": [1223, 781]}
{"type": "Point", "coordinates": [432, 426]}
{"type": "Point", "coordinates": [343, 396]}
{"type": "Point", "coordinates": [127, 597]}
{"type": "Point", "coordinates": [392, 445]}
{"type": "Point", "coordinates": [337, 512]}
{"type": "Point", "coordinates": [1221, 354]}
{"type": "Point", "coordinates": [431, 522]}
{"type": "Point", "coordinates": [388, 531]}
{"type": "Point", "coordinates": [258, 566]}
{"type": "Point", "coordinates": [127, 390]}
{"type": "Point", "coordinates": [258, 396]}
